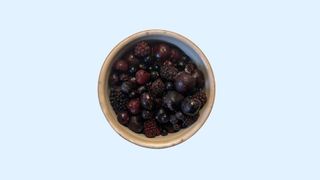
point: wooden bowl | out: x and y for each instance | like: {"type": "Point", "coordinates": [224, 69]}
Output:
{"type": "Point", "coordinates": [198, 58]}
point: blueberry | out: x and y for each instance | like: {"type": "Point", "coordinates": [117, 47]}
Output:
{"type": "Point", "coordinates": [146, 101]}
{"type": "Point", "coordinates": [126, 87]}
{"type": "Point", "coordinates": [169, 85]}
{"type": "Point", "coordinates": [190, 106]}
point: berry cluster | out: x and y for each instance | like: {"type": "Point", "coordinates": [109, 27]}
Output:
{"type": "Point", "coordinates": [156, 89]}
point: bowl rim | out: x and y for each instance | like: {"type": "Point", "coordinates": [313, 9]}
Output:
{"type": "Point", "coordinates": [102, 86]}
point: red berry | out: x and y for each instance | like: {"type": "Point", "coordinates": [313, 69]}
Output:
{"type": "Point", "coordinates": [134, 106]}
{"type": "Point", "coordinates": [123, 118]}
{"type": "Point", "coordinates": [121, 65]}
{"type": "Point", "coordinates": [142, 77]}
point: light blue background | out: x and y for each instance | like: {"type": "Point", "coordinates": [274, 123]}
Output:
{"type": "Point", "coordinates": [264, 125]}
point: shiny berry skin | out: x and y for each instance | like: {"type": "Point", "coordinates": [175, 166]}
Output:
{"type": "Point", "coordinates": [173, 119]}
{"type": "Point", "coordinates": [133, 94]}
{"type": "Point", "coordinates": [181, 65]}
{"type": "Point", "coordinates": [146, 101]}
{"type": "Point", "coordinates": [164, 132]}
{"type": "Point", "coordinates": [133, 70]}
{"type": "Point", "coordinates": [142, 66]}
{"type": "Point", "coordinates": [189, 68]}
{"type": "Point", "coordinates": [142, 77]}
{"type": "Point", "coordinates": [135, 124]}
{"type": "Point", "coordinates": [163, 118]}
{"type": "Point", "coordinates": [145, 114]}
{"type": "Point", "coordinates": [180, 116]}
{"type": "Point", "coordinates": [172, 100]}
{"type": "Point", "coordinates": [169, 85]}
{"type": "Point", "coordinates": [121, 65]}
{"type": "Point", "coordinates": [126, 87]}
{"type": "Point", "coordinates": [123, 77]}
{"type": "Point", "coordinates": [162, 51]}
{"type": "Point", "coordinates": [147, 60]}
{"type": "Point", "coordinates": [190, 106]}
{"type": "Point", "coordinates": [184, 82]}
{"type": "Point", "coordinates": [114, 79]}
{"type": "Point", "coordinates": [176, 127]}
{"type": "Point", "coordinates": [156, 67]}
{"type": "Point", "coordinates": [123, 118]}
{"type": "Point", "coordinates": [141, 89]}
{"type": "Point", "coordinates": [167, 63]}
{"type": "Point", "coordinates": [132, 60]}
{"type": "Point", "coordinates": [154, 75]}
{"type": "Point", "coordinates": [198, 76]}
{"type": "Point", "coordinates": [134, 106]}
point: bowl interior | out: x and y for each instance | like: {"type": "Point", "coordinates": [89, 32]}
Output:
{"type": "Point", "coordinates": [188, 48]}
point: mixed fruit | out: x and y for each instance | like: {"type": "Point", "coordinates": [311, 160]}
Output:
{"type": "Point", "coordinates": [156, 89]}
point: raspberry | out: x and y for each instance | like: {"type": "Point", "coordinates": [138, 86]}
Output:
{"type": "Point", "coordinates": [142, 49]}
{"type": "Point", "coordinates": [201, 96]}
{"type": "Point", "coordinates": [151, 129]}
{"type": "Point", "coordinates": [118, 100]}
{"type": "Point", "coordinates": [168, 72]}
{"type": "Point", "coordinates": [157, 87]}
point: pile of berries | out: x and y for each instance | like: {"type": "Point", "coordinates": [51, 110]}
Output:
{"type": "Point", "coordinates": [155, 89]}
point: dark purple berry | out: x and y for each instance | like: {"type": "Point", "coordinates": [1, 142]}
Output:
{"type": "Point", "coordinates": [121, 65]}
{"type": "Point", "coordinates": [133, 70]}
{"type": "Point", "coordinates": [198, 76]}
{"type": "Point", "coordinates": [124, 77]}
{"type": "Point", "coordinates": [126, 87]}
{"type": "Point", "coordinates": [169, 85]}
{"type": "Point", "coordinates": [175, 54]}
{"type": "Point", "coordinates": [173, 119]}
{"type": "Point", "coordinates": [134, 106]}
{"type": "Point", "coordinates": [142, 77]}
{"type": "Point", "coordinates": [146, 114]}
{"type": "Point", "coordinates": [190, 106]}
{"type": "Point", "coordinates": [189, 68]}
{"type": "Point", "coordinates": [142, 66]}
{"type": "Point", "coordinates": [156, 67]}
{"type": "Point", "coordinates": [135, 124]}
{"type": "Point", "coordinates": [142, 49]}
{"type": "Point", "coordinates": [114, 79]}
{"type": "Point", "coordinates": [181, 65]}
{"type": "Point", "coordinates": [132, 60]}
{"type": "Point", "coordinates": [147, 60]}
{"type": "Point", "coordinates": [133, 94]}
{"type": "Point", "coordinates": [184, 82]}
{"type": "Point", "coordinates": [180, 116]}
{"type": "Point", "coordinates": [123, 118]}
{"type": "Point", "coordinates": [172, 100]}
{"type": "Point", "coordinates": [157, 87]}
{"type": "Point", "coordinates": [167, 63]}
{"type": "Point", "coordinates": [163, 118]}
{"type": "Point", "coordinates": [162, 51]}
{"type": "Point", "coordinates": [176, 127]}
{"type": "Point", "coordinates": [146, 101]}
{"type": "Point", "coordinates": [141, 89]}
{"type": "Point", "coordinates": [164, 132]}
{"type": "Point", "coordinates": [154, 75]}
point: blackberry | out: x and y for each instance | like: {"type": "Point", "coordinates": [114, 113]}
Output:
{"type": "Point", "coordinates": [157, 87]}
{"type": "Point", "coordinates": [168, 72]}
{"type": "Point", "coordinates": [201, 96]}
{"type": "Point", "coordinates": [151, 129]}
{"type": "Point", "coordinates": [189, 120]}
{"type": "Point", "coordinates": [118, 100]}
{"type": "Point", "coordinates": [142, 49]}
